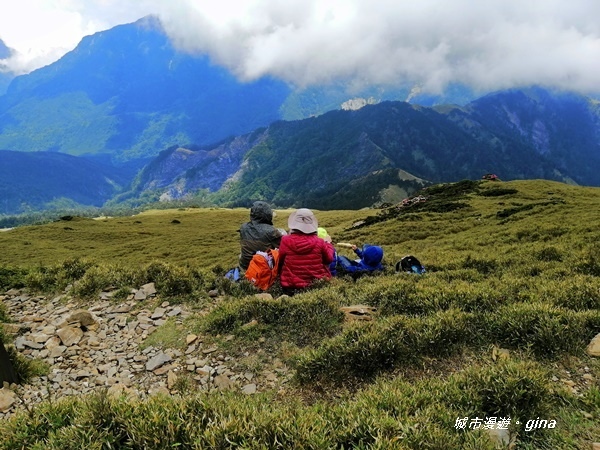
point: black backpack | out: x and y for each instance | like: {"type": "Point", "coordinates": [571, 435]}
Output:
{"type": "Point", "coordinates": [410, 264]}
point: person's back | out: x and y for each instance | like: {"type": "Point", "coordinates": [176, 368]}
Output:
{"type": "Point", "coordinates": [304, 257]}
{"type": "Point", "coordinates": [259, 234]}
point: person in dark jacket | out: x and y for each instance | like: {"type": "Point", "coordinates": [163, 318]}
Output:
{"type": "Point", "coordinates": [259, 234]}
{"type": "Point", "coordinates": [303, 256]}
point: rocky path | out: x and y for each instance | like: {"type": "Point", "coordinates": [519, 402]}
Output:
{"type": "Point", "coordinates": [100, 348]}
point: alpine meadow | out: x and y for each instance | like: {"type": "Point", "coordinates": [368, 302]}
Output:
{"type": "Point", "coordinates": [299, 225]}
{"type": "Point", "coordinates": [490, 348]}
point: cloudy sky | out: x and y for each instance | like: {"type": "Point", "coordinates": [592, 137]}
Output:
{"type": "Point", "coordinates": [486, 44]}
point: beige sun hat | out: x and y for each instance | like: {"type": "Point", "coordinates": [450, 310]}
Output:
{"type": "Point", "coordinates": [303, 220]}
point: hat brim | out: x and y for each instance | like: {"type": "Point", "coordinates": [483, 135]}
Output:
{"type": "Point", "coordinates": [306, 223]}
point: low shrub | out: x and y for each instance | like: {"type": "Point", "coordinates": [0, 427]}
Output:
{"type": "Point", "coordinates": [549, 254]}
{"type": "Point", "coordinates": [172, 280]}
{"type": "Point", "coordinates": [483, 266]}
{"type": "Point", "coordinates": [546, 330]}
{"type": "Point", "coordinates": [364, 351]}
{"type": "Point", "coordinates": [497, 192]}
{"type": "Point", "coordinates": [579, 292]}
{"type": "Point", "coordinates": [302, 319]}
{"type": "Point", "coordinates": [24, 367]}
{"type": "Point", "coordinates": [11, 277]}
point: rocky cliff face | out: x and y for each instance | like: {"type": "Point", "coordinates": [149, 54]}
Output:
{"type": "Point", "coordinates": [179, 171]}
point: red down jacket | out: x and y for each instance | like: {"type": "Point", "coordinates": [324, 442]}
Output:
{"type": "Point", "coordinates": [304, 258]}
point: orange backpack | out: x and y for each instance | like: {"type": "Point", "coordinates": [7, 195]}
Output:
{"type": "Point", "coordinates": [262, 270]}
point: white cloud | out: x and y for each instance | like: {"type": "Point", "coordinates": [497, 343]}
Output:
{"type": "Point", "coordinates": [489, 44]}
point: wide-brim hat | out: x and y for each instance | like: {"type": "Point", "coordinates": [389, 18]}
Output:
{"type": "Point", "coordinates": [303, 220]}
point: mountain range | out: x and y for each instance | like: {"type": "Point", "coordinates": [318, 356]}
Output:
{"type": "Point", "coordinates": [127, 99]}
{"type": "Point", "coordinates": [385, 152]}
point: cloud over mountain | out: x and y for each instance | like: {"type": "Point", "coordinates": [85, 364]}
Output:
{"type": "Point", "coordinates": [431, 43]}
{"type": "Point", "coordinates": [487, 45]}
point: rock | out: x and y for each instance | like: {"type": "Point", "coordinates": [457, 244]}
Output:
{"type": "Point", "coordinates": [158, 313]}
{"type": "Point", "coordinates": [213, 293]}
{"type": "Point", "coordinates": [140, 295]}
{"type": "Point", "coordinates": [70, 335]}
{"type": "Point", "coordinates": [500, 353]}
{"type": "Point", "coordinates": [252, 323]}
{"type": "Point", "coordinates": [160, 390]}
{"type": "Point", "coordinates": [264, 296]}
{"type": "Point", "coordinates": [7, 399]}
{"type": "Point", "coordinates": [157, 361]}
{"type": "Point", "coordinates": [57, 351]}
{"type": "Point", "coordinates": [34, 345]}
{"type": "Point", "coordinates": [502, 438]}
{"type": "Point", "coordinates": [206, 351]}
{"type": "Point", "coordinates": [222, 382]}
{"type": "Point", "coordinates": [190, 339]}
{"type": "Point", "coordinates": [358, 312]}
{"type": "Point", "coordinates": [596, 446]}
{"type": "Point", "coordinates": [190, 349]}
{"type": "Point", "coordinates": [593, 349]}
{"type": "Point", "coordinates": [15, 329]}
{"type": "Point", "coordinates": [119, 390]}
{"type": "Point", "coordinates": [83, 317]}
{"type": "Point", "coordinates": [249, 389]}
{"type": "Point", "coordinates": [164, 370]}
{"type": "Point", "coordinates": [174, 312]}
{"type": "Point", "coordinates": [149, 289]}
{"type": "Point", "coordinates": [123, 308]}
{"type": "Point", "coordinates": [171, 379]}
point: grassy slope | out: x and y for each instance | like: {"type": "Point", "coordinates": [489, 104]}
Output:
{"type": "Point", "coordinates": [202, 235]}
{"type": "Point", "coordinates": [518, 271]}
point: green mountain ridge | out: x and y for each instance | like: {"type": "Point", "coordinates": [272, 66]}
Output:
{"type": "Point", "coordinates": [350, 159]}
{"type": "Point", "coordinates": [35, 181]}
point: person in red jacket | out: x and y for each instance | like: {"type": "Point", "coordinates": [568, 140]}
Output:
{"type": "Point", "coordinates": [303, 256]}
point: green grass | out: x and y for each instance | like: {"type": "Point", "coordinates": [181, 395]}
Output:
{"type": "Point", "coordinates": [526, 281]}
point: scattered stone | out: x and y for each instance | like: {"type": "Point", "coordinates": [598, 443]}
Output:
{"type": "Point", "coordinates": [160, 390]}
{"type": "Point", "coordinates": [171, 379]}
{"type": "Point", "coordinates": [500, 353]}
{"type": "Point", "coordinates": [139, 295]}
{"type": "Point", "coordinates": [7, 399]}
{"type": "Point", "coordinates": [164, 370]}
{"type": "Point", "coordinates": [502, 438]}
{"type": "Point", "coordinates": [593, 349]}
{"type": "Point", "coordinates": [83, 317]}
{"type": "Point", "coordinates": [174, 312]}
{"type": "Point", "coordinates": [119, 390]}
{"type": "Point", "coordinates": [157, 361]}
{"type": "Point", "coordinates": [358, 312]}
{"type": "Point", "coordinates": [596, 446]}
{"type": "Point", "coordinates": [149, 289]}
{"type": "Point", "coordinates": [123, 308]}
{"type": "Point", "coordinates": [249, 389]}
{"type": "Point", "coordinates": [15, 329]}
{"type": "Point", "coordinates": [100, 349]}
{"type": "Point", "coordinates": [70, 335]}
{"type": "Point", "coordinates": [158, 313]}
{"type": "Point", "coordinates": [213, 293]}
{"type": "Point", "coordinates": [34, 345]}
{"type": "Point", "coordinates": [223, 382]}
{"type": "Point", "coordinates": [191, 349]}
{"type": "Point", "coordinates": [264, 296]}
